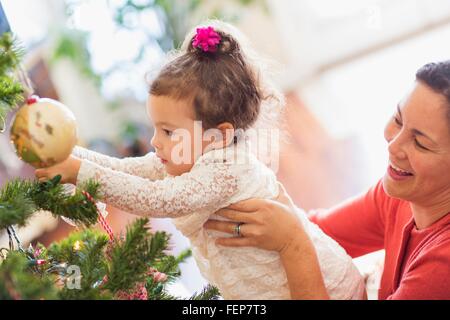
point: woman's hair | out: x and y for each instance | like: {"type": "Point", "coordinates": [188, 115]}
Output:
{"type": "Point", "coordinates": [436, 75]}
{"type": "Point", "coordinates": [227, 85]}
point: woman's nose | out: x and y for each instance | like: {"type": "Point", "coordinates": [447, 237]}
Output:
{"type": "Point", "coordinates": [396, 147]}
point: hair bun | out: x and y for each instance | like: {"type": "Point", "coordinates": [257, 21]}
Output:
{"type": "Point", "coordinates": [209, 41]}
{"type": "Point", "coordinates": [228, 45]}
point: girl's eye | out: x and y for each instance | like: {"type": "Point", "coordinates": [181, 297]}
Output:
{"type": "Point", "coordinates": [167, 132]}
{"type": "Point", "coordinates": [397, 121]}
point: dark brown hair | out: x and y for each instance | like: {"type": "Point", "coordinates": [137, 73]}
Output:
{"type": "Point", "coordinates": [222, 86]}
{"type": "Point", "coordinates": [436, 75]}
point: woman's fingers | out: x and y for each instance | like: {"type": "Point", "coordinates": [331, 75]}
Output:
{"type": "Point", "coordinates": [249, 205]}
{"type": "Point", "coordinates": [238, 216]}
{"type": "Point", "coordinates": [235, 242]}
{"type": "Point", "coordinates": [222, 226]}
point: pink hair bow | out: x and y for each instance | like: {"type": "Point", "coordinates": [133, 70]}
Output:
{"type": "Point", "coordinates": [206, 39]}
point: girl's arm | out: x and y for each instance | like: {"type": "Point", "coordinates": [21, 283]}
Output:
{"type": "Point", "coordinates": [148, 166]}
{"type": "Point", "coordinates": [207, 185]}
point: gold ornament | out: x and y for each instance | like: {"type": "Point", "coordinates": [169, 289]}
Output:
{"type": "Point", "coordinates": [44, 132]}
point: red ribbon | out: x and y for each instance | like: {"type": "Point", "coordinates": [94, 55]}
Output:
{"type": "Point", "coordinates": [139, 292]}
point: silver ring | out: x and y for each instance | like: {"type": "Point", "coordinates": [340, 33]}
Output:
{"type": "Point", "coordinates": [237, 229]}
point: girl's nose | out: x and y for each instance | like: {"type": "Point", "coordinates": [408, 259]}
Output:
{"type": "Point", "coordinates": [155, 142]}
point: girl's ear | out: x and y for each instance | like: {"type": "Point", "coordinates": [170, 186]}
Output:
{"type": "Point", "coordinates": [227, 131]}
{"type": "Point", "coordinates": [218, 137]}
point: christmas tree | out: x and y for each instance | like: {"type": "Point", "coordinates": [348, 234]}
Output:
{"type": "Point", "coordinates": [11, 90]}
{"type": "Point", "coordinates": [87, 264]}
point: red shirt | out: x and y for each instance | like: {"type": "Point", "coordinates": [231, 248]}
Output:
{"type": "Point", "coordinates": [417, 262]}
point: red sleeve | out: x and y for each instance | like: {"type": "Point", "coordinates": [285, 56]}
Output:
{"type": "Point", "coordinates": [428, 278]}
{"type": "Point", "coordinates": [357, 224]}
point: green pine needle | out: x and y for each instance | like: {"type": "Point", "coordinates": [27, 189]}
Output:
{"type": "Point", "coordinates": [20, 199]}
{"type": "Point", "coordinates": [208, 293]}
{"type": "Point", "coordinates": [18, 282]}
{"type": "Point", "coordinates": [129, 258]}
{"type": "Point", "coordinates": [11, 91]}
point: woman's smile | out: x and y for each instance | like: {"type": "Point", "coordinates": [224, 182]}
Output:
{"type": "Point", "coordinates": [397, 173]}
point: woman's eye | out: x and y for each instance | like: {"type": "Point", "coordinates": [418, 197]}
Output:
{"type": "Point", "coordinates": [419, 145]}
{"type": "Point", "coordinates": [167, 132]}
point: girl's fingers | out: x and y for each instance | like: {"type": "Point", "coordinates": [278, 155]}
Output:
{"type": "Point", "coordinates": [221, 226]}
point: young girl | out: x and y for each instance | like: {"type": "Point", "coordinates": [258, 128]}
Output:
{"type": "Point", "coordinates": [215, 81]}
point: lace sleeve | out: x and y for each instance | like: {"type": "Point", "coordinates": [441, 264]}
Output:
{"type": "Point", "coordinates": [148, 166]}
{"type": "Point", "coordinates": [208, 185]}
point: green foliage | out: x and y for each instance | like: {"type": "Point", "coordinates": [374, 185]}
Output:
{"type": "Point", "coordinates": [208, 293]}
{"type": "Point", "coordinates": [85, 250]}
{"type": "Point", "coordinates": [17, 280]}
{"type": "Point", "coordinates": [71, 45]}
{"type": "Point", "coordinates": [176, 16]}
{"type": "Point", "coordinates": [106, 268]}
{"type": "Point", "coordinates": [132, 257]}
{"type": "Point", "coordinates": [20, 199]}
{"type": "Point", "coordinates": [10, 89]}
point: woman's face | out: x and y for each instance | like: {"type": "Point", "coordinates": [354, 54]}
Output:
{"type": "Point", "coordinates": [419, 148]}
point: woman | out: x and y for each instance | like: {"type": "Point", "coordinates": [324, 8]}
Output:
{"type": "Point", "coordinates": [407, 212]}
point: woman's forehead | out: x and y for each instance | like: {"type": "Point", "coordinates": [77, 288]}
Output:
{"type": "Point", "coordinates": [427, 111]}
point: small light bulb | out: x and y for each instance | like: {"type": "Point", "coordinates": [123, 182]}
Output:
{"type": "Point", "coordinates": [77, 245]}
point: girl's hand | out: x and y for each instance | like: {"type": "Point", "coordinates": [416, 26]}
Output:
{"type": "Point", "coordinates": [68, 169]}
{"type": "Point", "coordinates": [266, 224]}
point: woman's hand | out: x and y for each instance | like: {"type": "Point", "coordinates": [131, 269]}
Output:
{"type": "Point", "coordinates": [266, 224]}
{"type": "Point", "coordinates": [273, 225]}
{"type": "Point", "coordinates": [68, 169]}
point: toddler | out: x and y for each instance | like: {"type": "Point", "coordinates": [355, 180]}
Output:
{"type": "Point", "coordinates": [212, 88]}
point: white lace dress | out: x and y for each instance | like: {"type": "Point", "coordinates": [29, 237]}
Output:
{"type": "Point", "coordinates": [217, 179]}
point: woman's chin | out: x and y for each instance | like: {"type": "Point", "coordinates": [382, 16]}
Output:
{"type": "Point", "coordinates": [397, 188]}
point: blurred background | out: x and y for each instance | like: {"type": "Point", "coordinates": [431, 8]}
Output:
{"type": "Point", "coordinates": [342, 64]}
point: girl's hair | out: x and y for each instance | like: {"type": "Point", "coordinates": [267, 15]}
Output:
{"type": "Point", "coordinates": [228, 85]}
{"type": "Point", "coordinates": [436, 75]}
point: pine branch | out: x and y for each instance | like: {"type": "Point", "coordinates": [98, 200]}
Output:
{"type": "Point", "coordinates": [20, 199]}
{"type": "Point", "coordinates": [16, 207]}
{"type": "Point", "coordinates": [170, 265]}
{"type": "Point", "coordinates": [18, 282]}
{"type": "Point", "coordinates": [11, 53]}
{"type": "Point", "coordinates": [129, 258]}
{"type": "Point", "coordinates": [85, 250]}
{"type": "Point", "coordinates": [16, 211]}
{"type": "Point", "coordinates": [50, 196]}
{"type": "Point", "coordinates": [208, 293]}
{"type": "Point", "coordinates": [11, 90]}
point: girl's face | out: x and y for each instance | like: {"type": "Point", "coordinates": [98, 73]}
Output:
{"type": "Point", "coordinates": [176, 133]}
{"type": "Point", "coordinates": [419, 149]}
